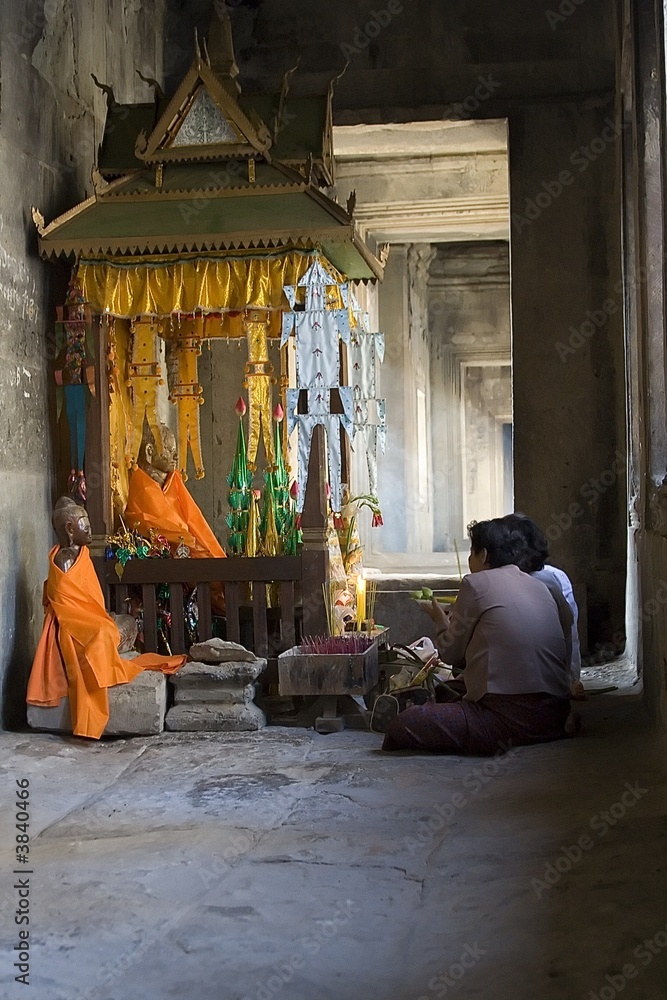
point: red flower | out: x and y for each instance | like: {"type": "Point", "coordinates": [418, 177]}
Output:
{"type": "Point", "coordinates": [339, 524]}
{"type": "Point", "coordinates": [278, 413]}
{"type": "Point", "coordinates": [377, 521]}
{"type": "Point", "coordinates": [294, 490]}
{"type": "Point", "coordinates": [240, 407]}
{"type": "Point", "coordinates": [297, 522]}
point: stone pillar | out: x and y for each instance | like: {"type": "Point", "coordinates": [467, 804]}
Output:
{"type": "Point", "coordinates": [418, 469]}
{"type": "Point", "coordinates": [644, 92]}
{"type": "Point", "coordinates": [393, 316]}
{"type": "Point", "coordinates": [568, 349]}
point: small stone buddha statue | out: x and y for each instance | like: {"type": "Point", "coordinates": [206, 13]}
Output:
{"type": "Point", "coordinates": [78, 651]}
{"type": "Point", "coordinates": [72, 527]}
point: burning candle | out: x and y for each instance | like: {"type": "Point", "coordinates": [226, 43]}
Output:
{"type": "Point", "coordinates": [361, 601]}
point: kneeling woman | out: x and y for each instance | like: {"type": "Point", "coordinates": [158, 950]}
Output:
{"type": "Point", "coordinates": [505, 631]}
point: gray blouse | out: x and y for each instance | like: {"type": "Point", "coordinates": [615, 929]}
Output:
{"type": "Point", "coordinates": [505, 630]}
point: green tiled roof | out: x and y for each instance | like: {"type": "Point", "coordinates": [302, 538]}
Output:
{"type": "Point", "coordinates": [168, 224]}
{"type": "Point", "coordinates": [300, 132]}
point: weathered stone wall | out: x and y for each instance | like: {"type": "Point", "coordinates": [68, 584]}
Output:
{"type": "Point", "coordinates": [51, 121]}
{"type": "Point", "coordinates": [568, 352]}
{"type": "Point", "coordinates": [644, 92]}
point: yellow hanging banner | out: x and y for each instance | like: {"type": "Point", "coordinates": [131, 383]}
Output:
{"type": "Point", "coordinates": [162, 286]}
{"type": "Point", "coordinates": [188, 394]}
{"type": "Point", "coordinates": [144, 376]}
{"type": "Point", "coordinates": [259, 377]}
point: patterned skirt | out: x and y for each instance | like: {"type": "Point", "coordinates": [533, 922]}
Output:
{"type": "Point", "coordinates": [491, 725]}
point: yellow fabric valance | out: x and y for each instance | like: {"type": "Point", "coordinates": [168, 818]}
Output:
{"type": "Point", "coordinates": [162, 286]}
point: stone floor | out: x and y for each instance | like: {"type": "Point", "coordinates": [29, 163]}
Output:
{"type": "Point", "coordinates": [287, 865]}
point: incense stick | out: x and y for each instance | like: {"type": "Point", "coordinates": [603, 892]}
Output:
{"type": "Point", "coordinates": [330, 591]}
{"type": "Point", "coordinates": [371, 594]}
{"type": "Point", "coordinates": [350, 642]}
{"type": "Point", "coordinates": [458, 559]}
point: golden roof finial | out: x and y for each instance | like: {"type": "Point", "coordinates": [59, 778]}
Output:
{"type": "Point", "coordinates": [220, 44]}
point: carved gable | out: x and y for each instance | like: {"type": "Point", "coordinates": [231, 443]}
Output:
{"type": "Point", "coordinates": [205, 124]}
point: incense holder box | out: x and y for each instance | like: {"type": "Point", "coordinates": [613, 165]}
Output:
{"type": "Point", "coordinates": [327, 673]}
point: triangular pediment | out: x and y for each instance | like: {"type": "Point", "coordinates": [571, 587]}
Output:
{"type": "Point", "coordinates": [205, 124]}
{"type": "Point", "coordinates": [203, 120]}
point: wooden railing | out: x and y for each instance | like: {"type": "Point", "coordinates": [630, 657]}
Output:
{"type": "Point", "coordinates": [234, 573]}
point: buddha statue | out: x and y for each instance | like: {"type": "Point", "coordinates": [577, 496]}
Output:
{"type": "Point", "coordinates": [72, 527]}
{"type": "Point", "coordinates": [78, 651]}
{"type": "Point", "coordinates": [159, 499]}
{"type": "Point", "coordinates": [158, 463]}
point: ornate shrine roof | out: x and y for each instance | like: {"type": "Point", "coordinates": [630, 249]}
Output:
{"type": "Point", "coordinates": [211, 170]}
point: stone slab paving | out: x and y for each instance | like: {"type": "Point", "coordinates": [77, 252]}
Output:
{"type": "Point", "coordinates": [284, 865]}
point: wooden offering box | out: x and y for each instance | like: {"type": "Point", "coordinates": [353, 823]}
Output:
{"type": "Point", "coordinates": [327, 673]}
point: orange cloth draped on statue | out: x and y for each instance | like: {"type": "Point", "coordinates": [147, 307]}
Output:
{"type": "Point", "coordinates": [172, 512]}
{"type": "Point", "coordinates": [77, 653]}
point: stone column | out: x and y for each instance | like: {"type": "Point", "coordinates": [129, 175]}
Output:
{"type": "Point", "coordinates": [418, 468]}
{"type": "Point", "coordinates": [393, 316]}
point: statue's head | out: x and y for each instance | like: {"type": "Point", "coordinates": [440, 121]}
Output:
{"type": "Point", "coordinates": [70, 523]}
{"type": "Point", "coordinates": [155, 461]}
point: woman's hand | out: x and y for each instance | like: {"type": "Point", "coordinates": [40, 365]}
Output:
{"type": "Point", "coordinates": [436, 613]}
{"type": "Point", "coordinates": [578, 692]}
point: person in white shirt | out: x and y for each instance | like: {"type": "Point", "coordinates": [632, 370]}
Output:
{"type": "Point", "coordinates": [534, 562]}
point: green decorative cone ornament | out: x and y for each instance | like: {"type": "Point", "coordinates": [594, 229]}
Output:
{"type": "Point", "coordinates": [279, 516]}
{"type": "Point", "coordinates": [240, 491]}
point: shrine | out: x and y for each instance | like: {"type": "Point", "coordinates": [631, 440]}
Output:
{"type": "Point", "coordinates": [210, 226]}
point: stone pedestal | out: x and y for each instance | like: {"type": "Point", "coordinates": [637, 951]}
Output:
{"type": "Point", "coordinates": [216, 697]}
{"type": "Point", "coordinates": [135, 709]}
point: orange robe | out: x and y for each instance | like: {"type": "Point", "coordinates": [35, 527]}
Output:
{"type": "Point", "coordinates": [77, 654]}
{"type": "Point", "coordinates": [172, 512]}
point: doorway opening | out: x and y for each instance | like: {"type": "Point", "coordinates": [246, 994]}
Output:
{"type": "Point", "coordinates": [437, 193]}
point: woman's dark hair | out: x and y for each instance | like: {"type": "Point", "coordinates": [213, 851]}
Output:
{"type": "Point", "coordinates": [536, 542]}
{"type": "Point", "coordinates": [505, 544]}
